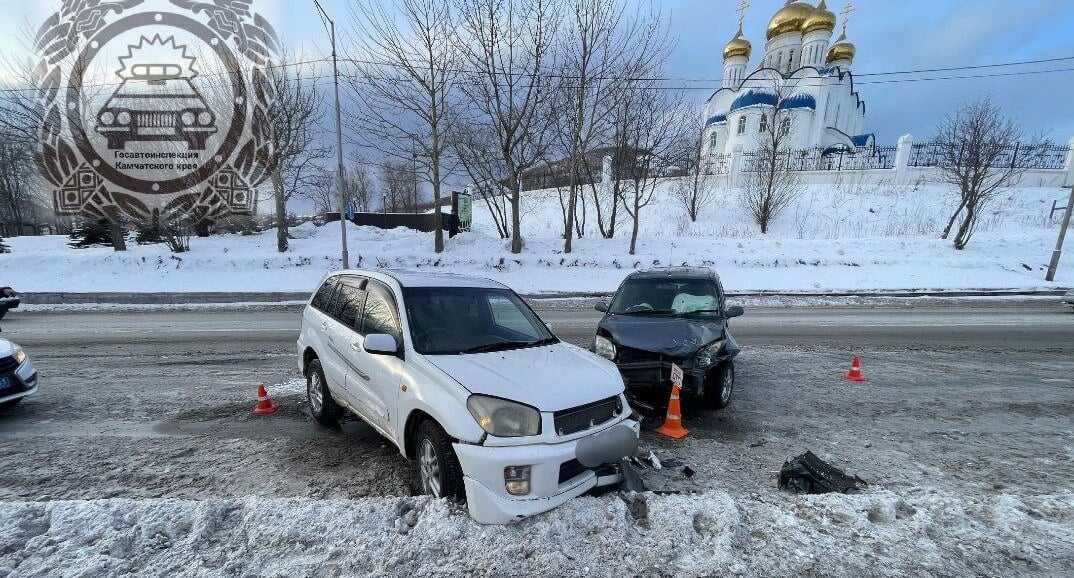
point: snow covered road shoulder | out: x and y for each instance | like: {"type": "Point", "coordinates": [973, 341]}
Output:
{"type": "Point", "coordinates": [920, 531]}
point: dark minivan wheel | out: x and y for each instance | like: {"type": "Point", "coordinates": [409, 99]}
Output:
{"type": "Point", "coordinates": [720, 385]}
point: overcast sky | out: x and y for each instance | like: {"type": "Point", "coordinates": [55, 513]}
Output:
{"type": "Point", "coordinates": [890, 36]}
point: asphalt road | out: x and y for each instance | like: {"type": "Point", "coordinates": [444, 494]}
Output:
{"type": "Point", "coordinates": [1020, 328]}
{"type": "Point", "coordinates": [157, 404]}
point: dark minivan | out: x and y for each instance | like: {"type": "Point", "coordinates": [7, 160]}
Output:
{"type": "Point", "coordinates": [670, 316]}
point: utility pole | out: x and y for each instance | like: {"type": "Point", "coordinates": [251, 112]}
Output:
{"type": "Point", "coordinates": [1054, 264]}
{"type": "Point", "coordinates": [331, 29]}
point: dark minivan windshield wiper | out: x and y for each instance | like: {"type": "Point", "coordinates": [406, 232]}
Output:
{"type": "Point", "coordinates": [720, 311]}
{"type": "Point", "coordinates": [505, 345]}
{"type": "Point", "coordinates": [647, 312]}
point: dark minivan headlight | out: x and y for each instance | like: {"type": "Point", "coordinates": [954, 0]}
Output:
{"type": "Point", "coordinates": [708, 354]}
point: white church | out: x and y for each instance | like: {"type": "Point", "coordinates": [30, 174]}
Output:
{"type": "Point", "coordinates": [802, 72]}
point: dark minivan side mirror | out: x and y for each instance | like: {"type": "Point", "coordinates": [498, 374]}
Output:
{"type": "Point", "coordinates": [601, 306]}
{"type": "Point", "coordinates": [734, 311]}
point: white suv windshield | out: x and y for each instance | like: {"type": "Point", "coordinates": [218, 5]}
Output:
{"type": "Point", "coordinates": [454, 320]}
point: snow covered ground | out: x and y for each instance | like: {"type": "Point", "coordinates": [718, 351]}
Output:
{"type": "Point", "coordinates": [966, 443]}
{"type": "Point", "coordinates": [710, 534]}
{"type": "Point", "coordinates": [834, 238]}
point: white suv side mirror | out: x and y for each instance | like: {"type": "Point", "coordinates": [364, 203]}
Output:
{"type": "Point", "coordinates": [381, 344]}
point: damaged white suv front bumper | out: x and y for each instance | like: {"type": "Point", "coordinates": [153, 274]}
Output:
{"type": "Point", "coordinates": [555, 473]}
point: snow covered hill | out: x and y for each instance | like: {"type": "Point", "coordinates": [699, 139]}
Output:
{"type": "Point", "coordinates": [834, 238]}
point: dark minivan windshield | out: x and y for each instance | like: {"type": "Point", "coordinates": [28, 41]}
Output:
{"type": "Point", "coordinates": [453, 320]}
{"type": "Point", "coordinates": [666, 296]}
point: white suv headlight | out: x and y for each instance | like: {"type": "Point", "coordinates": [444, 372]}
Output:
{"type": "Point", "coordinates": [504, 418]}
{"type": "Point", "coordinates": [707, 355]}
{"type": "Point", "coordinates": [603, 347]}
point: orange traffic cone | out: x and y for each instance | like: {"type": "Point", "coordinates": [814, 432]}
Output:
{"type": "Point", "coordinates": [855, 371]}
{"type": "Point", "coordinates": [673, 422]}
{"type": "Point", "coordinates": [264, 404]}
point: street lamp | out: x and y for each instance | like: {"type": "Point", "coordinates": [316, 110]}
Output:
{"type": "Point", "coordinates": [330, 27]}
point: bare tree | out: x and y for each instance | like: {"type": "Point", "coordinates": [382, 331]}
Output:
{"type": "Point", "coordinates": [401, 186]}
{"type": "Point", "coordinates": [358, 184]}
{"type": "Point", "coordinates": [323, 193]}
{"type": "Point", "coordinates": [474, 146]}
{"type": "Point", "coordinates": [600, 43]}
{"type": "Point", "coordinates": [31, 116]}
{"type": "Point", "coordinates": [978, 148]}
{"type": "Point", "coordinates": [18, 180]}
{"type": "Point", "coordinates": [507, 47]}
{"type": "Point", "coordinates": [652, 139]}
{"type": "Point", "coordinates": [770, 185]}
{"type": "Point", "coordinates": [697, 191]}
{"type": "Point", "coordinates": [294, 120]}
{"type": "Point", "coordinates": [404, 86]}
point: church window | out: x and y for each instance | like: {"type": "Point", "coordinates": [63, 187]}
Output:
{"type": "Point", "coordinates": [790, 61]}
{"type": "Point", "coordinates": [779, 61]}
{"type": "Point", "coordinates": [712, 139]}
{"type": "Point", "coordinates": [764, 123]}
{"type": "Point", "coordinates": [742, 124]}
{"type": "Point", "coordinates": [785, 127]}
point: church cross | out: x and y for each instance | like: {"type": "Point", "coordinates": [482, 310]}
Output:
{"type": "Point", "coordinates": [847, 11]}
{"type": "Point", "coordinates": [742, 11]}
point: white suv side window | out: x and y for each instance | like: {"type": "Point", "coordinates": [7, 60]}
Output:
{"type": "Point", "coordinates": [379, 315]}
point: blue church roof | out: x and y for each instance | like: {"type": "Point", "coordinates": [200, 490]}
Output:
{"type": "Point", "coordinates": [754, 98]}
{"type": "Point", "coordinates": [799, 100]}
{"type": "Point", "coordinates": [862, 140]}
{"type": "Point", "coordinates": [719, 118]}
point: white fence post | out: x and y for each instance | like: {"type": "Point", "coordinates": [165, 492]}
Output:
{"type": "Point", "coordinates": [902, 159]}
{"type": "Point", "coordinates": [735, 169]}
{"type": "Point", "coordinates": [1068, 166]}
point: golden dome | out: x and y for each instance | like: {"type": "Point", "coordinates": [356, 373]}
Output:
{"type": "Point", "coordinates": [841, 50]}
{"type": "Point", "coordinates": [789, 18]}
{"type": "Point", "coordinates": [738, 46]}
{"type": "Point", "coordinates": [820, 19]}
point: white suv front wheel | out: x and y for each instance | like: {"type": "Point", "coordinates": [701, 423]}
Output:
{"type": "Point", "coordinates": [438, 471]}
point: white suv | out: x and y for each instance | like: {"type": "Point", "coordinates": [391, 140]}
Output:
{"type": "Point", "coordinates": [464, 378]}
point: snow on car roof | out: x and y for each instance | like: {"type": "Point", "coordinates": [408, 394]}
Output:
{"type": "Point", "coordinates": [676, 272]}
{"type": "Point", "coordinates": [407, 278]}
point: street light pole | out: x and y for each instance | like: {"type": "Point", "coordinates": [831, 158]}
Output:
{"type": "Point", "coordinates": [339, 140]}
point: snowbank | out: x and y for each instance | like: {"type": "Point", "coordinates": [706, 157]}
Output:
{"type": "Point", "coordinates": [876, 534]}
{"type": "Point", "coordinates": [833, 239]}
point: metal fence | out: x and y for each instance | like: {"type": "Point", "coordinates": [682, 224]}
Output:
{"type": "Point", "coordinates": [718, 164]}
{"type": "Point", "coordinates": [819, 159]}
{"type": "Point", "coordinates": [1019, 156]}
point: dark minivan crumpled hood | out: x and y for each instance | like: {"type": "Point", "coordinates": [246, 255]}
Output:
{"type": "Point", "coordinates": [673, 336]}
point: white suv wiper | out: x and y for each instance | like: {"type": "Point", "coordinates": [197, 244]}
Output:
{"type": "Point", "coordinates": [502, 345]}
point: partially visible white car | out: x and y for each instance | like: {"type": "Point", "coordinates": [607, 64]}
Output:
{"type": "Point", "coordinates": [18, 376]}
{"type": "Point", "coordinates": [1068, 299]}
{"type": "Point", "coordinates": [465, 379]}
